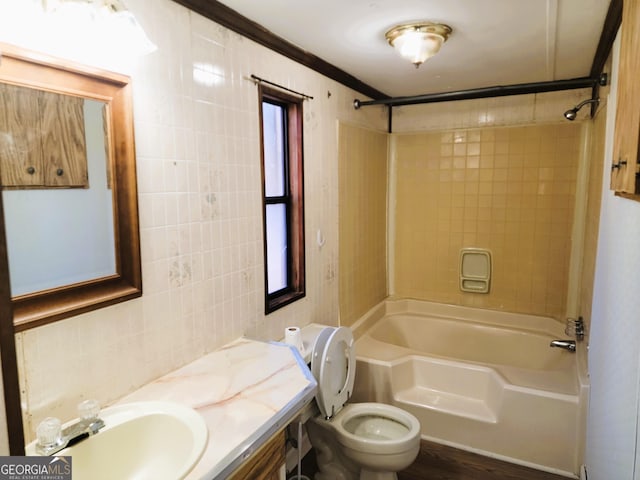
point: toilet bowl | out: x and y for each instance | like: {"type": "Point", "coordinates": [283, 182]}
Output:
{"type": "Point", "coordinates": [360, 441]}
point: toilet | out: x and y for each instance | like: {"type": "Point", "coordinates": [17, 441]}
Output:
{"type": "Point", "coordinates": [360, 441]}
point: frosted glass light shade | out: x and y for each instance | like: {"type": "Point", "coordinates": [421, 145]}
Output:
{"type": "Point", "coordinates": [101, 24]}
{"type": "Point", "coordinates": [418, 42]}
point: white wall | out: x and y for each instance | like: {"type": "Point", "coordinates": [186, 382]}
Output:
{"type": "Point", "coordinates": [614, 349]}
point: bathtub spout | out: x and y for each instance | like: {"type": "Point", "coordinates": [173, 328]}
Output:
{"type": "Point", "coordinates": [569, 345]}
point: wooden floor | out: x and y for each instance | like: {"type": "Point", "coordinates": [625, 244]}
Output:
{"type": "Point", "coordinates": [439, 462]}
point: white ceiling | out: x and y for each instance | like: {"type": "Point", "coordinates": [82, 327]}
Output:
{"type": "Point", "coordinates": [494, 42]}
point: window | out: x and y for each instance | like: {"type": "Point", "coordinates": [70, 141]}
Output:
{"type": "Point", "coordinates": [283, 197]}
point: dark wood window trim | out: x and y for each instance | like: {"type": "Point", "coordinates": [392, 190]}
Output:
{"type": "Point", "coordinates": [293, 198]}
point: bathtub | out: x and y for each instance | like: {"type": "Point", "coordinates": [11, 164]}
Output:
{"type": "Point", "coordinates": [480, 380]}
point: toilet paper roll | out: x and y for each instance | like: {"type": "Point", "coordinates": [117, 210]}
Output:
{"type": "Point", "coordinates": [293, 336]}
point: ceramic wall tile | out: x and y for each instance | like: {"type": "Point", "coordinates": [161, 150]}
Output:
{"type": "Point", "coordinates": [363, 220]}
{"type": "Point", "coordinates": [197, 145]}
{"type": "Point", "coordinates": [485, 112]}
{"type": "Point", "coordinates": [508, 189]}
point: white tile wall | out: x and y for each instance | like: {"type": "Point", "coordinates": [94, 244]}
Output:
{"type": "Point", "coordinates": [196, 121]}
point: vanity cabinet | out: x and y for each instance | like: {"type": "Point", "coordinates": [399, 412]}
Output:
{"type": "Point", "coordinates": [266, 463]}
{"type": "Point", "coordinates": [625, 166]}
{"type": "Point", "coordinates": [42, 139]}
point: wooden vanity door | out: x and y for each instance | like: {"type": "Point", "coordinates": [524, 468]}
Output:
{"type": "Point", "coordinates": [264, 464]}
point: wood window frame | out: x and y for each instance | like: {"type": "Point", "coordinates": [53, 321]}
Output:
{"type": "Point", "coordinates": [294, 198]}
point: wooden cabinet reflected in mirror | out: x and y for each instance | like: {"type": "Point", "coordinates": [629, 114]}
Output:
{"type": "Point", "coordinates": [43, 142]}
{"type": "Point", "coordinates": [69, 187]}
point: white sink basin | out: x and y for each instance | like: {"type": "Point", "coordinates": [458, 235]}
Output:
{"type": "Point", "coordinates": [143, 440]}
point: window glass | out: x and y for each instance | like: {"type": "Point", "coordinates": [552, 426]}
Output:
{"type": "Point", "coordinates": [276, 221]}
{"type": "Point", "coordinates": [283, 198]}
{"type": "Point", "coordinates": [274, 152]}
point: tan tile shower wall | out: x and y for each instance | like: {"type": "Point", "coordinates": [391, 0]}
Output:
{"type": "Point", "coordinates": [363, 227]}
{"type": "Point", "coordinates": [508, 189]}
{"type": "Point", "coordinates": [592, 224]}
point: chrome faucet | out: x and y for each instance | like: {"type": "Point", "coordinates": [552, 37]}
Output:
{"type": "Point", "coordinates": [575, 327]}
{"type": "Point", "coordinates": [569, 345]}
{"type": "Point", "coordinates": [579, 328]}
{"type": "Point", "coordinates": [52, 438]}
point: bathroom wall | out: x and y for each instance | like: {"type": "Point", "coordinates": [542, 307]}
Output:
{"type": "Point", "coordinates": [597, 139]}
{"type": "Point", "coordinates": [594, 200]}
{"type": "Point", "coordinates": [614, 341]}
{"type": "Point", "coordinates": [198, 168]}
{"type": "Point", "coordinates": [540, 108]}
{"type": "Point", "coordinates": [363, 180]}
{"type": "Point", "coordinates": [517, 209]}
{"type": "Point", "coordinates": [196, 123]}
{"type": "Point", "coordinates": [508, 189]}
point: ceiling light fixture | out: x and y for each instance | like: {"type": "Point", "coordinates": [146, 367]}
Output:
{"type": "Point", "coordinates": [418, 41]}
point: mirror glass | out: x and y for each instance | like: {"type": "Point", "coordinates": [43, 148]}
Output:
{"type": "Point", "coordinates": [68, 176]}
{"type": "Point", "coordinates": [61, 236]}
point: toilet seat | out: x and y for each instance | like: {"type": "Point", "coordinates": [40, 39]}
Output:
{"type": "Point", "coordinates": [333, 365]}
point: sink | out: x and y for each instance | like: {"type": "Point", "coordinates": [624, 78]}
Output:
{"type": "Point", "coordinates": [142, 440]}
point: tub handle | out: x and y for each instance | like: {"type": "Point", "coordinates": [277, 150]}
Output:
{"type": "Point", "coordinates": [569, 345]}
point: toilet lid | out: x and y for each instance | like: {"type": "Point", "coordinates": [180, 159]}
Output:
{"type": "Point", "coordinates": [333, 364]}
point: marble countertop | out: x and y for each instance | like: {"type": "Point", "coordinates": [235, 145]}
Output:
{"type": "Point", "coordinates": [246, 391]}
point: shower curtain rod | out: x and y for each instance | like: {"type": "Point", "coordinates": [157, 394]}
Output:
{"type": "Point", "coordinates": [485, 92]}
{"type": "Point", "coordinates": [257, 79]}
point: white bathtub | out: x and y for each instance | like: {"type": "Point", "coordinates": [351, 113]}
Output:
{"type": "Point", "coordinates": [476, 379]}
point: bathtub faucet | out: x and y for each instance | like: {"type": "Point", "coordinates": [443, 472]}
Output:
{"type": "Point", "coordinates": [569, 345]}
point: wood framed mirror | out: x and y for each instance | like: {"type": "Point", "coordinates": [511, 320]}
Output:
{"type": "Point", "coordinates": [29, 73]}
